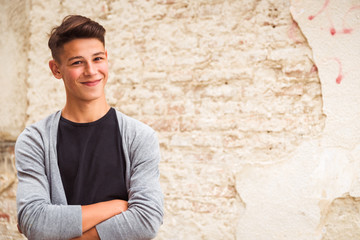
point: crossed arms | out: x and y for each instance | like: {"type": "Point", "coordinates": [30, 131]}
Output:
{"type": "Point", "coordinates": [42, 209]}
{"type": "Point", "coordinates": [96, 213]}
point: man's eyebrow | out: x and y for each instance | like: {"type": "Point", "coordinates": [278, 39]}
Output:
{"type": "Point", "coordinates": [80, 57]}
{"type": "Point", "coordinates": [99, 53]}
{"type": "Point", "coordinates": [75, 57]}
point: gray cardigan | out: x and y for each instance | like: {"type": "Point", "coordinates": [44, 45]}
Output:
{"type": "Point", "coordinates": [43, 212]}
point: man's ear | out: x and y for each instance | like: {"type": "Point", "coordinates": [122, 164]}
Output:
{"type": "Point", "coordinates": [54, 67]}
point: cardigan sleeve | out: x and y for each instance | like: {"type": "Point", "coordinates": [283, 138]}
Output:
{"type": "Point", "coordinates": [145, 212]}
{"type": "Point", "coordinates": [38, 218]}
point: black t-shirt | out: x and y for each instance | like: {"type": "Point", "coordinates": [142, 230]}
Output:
{"type": "Point", "coordinates": [91, 160]}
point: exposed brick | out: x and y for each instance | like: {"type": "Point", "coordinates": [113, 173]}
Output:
{"type": "Point", "coordinates": [224, 83]}
{"type": "Point", "coordinates": [7, 166]}
{"type": "Point", "coordinates": [176, 109]}
{"type": "Point", "coordinates": [162, 124]}
{"type": "Point", "coordinates": [4, 216]}
{"type": "Point", "coordinates": [342, 220]}
{"type": "Point", "coordinates": [207, 182]}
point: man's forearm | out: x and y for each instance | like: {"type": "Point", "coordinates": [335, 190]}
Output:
{"type": "Point", "coordinates": [91, 234]}
{"type": "Point", "coordinates": [96, 213]}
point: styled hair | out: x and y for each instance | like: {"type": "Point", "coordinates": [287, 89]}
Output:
{"type": "Point", "coordinates": [74, 27]}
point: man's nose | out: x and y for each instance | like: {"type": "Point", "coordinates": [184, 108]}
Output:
{"type": "Point", "coordinates": [90, 69]}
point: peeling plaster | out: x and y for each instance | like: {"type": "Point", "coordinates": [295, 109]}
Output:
{"type": "Point", "coordinates": [336, 51]}
{"type": "Point", "coordinates": [300, 197]}
{"type": "Point", "coordinates": [341, 221]}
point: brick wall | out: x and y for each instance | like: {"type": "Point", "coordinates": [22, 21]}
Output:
{"type": "Point", "coordinates": [8, 229]}
{"type": "Point", "coordinates": [224, 83]}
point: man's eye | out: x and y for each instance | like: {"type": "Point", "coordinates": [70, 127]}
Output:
{"type": "Point", "coordinates": [76, 63]}
{"type": "Point", "coordinates": [98, 58]}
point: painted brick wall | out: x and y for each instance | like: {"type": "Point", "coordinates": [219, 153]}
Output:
{"type": "Point", "coordinates": [224, 83]}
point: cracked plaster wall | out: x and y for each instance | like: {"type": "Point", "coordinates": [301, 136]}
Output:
{"type": "Point", "coordinates": [332, 29]}
{"type": "Point", "coordinates": [313, 193]}
{"type": "Point", "coordinates": [258, 140]}
{"type": "Point", "coordinates": [13, 67]}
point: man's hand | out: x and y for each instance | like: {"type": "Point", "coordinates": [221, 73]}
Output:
{"type": "Point", "coordinates": [98, 212]}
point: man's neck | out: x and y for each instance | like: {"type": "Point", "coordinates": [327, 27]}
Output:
{"type": "Point", "coordinates": [83, 112]}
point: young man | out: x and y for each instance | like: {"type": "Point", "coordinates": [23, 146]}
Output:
{"type": "Point", "coordinates": [87, 171]}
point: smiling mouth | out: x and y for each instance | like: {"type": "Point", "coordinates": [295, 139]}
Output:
{"type": "Point", "coordinates": [91, 83]}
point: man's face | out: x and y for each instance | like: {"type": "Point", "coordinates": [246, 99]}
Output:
{"type": "Point", "coordinates": [84, 69]}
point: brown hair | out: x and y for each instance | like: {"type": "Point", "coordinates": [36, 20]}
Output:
{"type": "Point", "coordinates": [73, 27]}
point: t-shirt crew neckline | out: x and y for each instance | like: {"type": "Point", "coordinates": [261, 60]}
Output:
{"type": "Point", "coordinates": [106, 116]}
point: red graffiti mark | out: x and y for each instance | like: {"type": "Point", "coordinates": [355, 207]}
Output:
{"type": "Point", "coordinates": [346, 30]}
{"type": "Point", "coordinates": [292, 33]}
{"type": "Point", "coordinates": [332, 28]}
{"type": "Point", "coordinates": [314, 69]}
{"type": "Point", "coordinates": [340, 75]}
{"type": "Point", "coordinates": [326, 3]}
{"type": "Point", "coordinates": [333, 31]}
{"type": "Point", "coordinates": [5, 216]}
{"type": "Point", "coordinates": [339, 79]}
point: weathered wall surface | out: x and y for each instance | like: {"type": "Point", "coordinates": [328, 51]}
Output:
{"type": "Point", "coordinates": [14, 16]}
{"type": "Point", "coordinates": [236, 93]}
{"type": "Point", "coordinates": [332, 29]}
{"type": "Point", "coordinates": [8, 229]}
{"type": "Point", "coordinates": [14, 45]}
